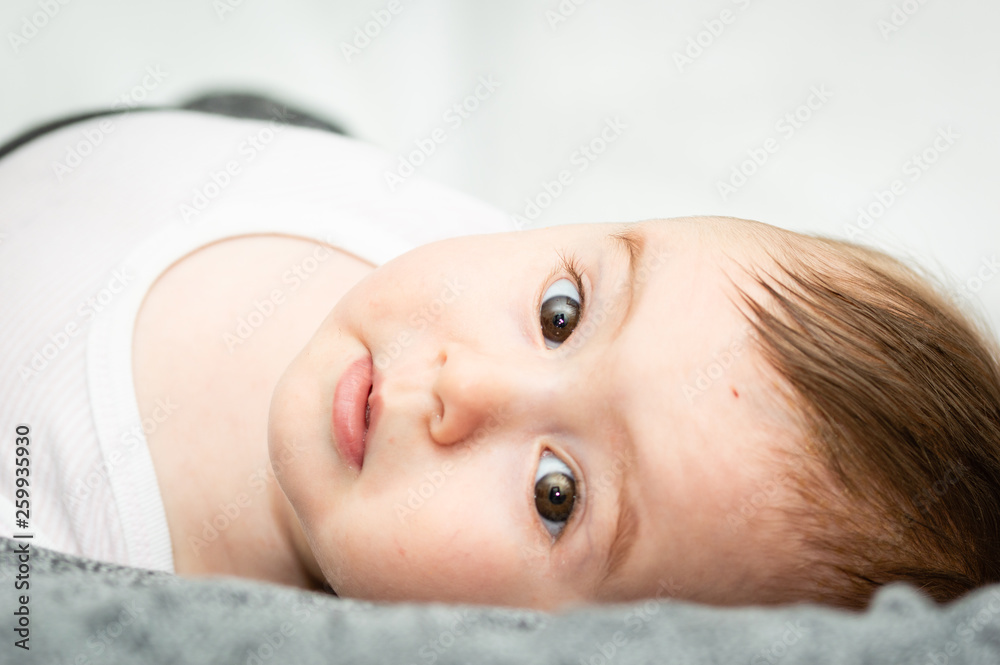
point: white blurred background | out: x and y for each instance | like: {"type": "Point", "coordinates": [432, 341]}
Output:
{"type": "Point", "coordinates": [797, 113]}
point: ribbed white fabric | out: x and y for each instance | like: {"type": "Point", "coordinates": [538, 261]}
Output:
{"type": "Point", "coordinates": [96, 235]}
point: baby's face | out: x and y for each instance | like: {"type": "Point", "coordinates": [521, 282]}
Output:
{"type": "Point", "coordinates": [531, 452]}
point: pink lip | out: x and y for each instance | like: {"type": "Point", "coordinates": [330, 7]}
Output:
{"type": "Point", "coordinates": [350, 400]}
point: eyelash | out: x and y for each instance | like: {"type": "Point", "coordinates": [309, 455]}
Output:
{"type": "Point", "coordinates": [571, 265]}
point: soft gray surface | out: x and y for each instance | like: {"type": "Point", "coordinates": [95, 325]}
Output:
{"type": "Point", "coordinates": [77, 605]}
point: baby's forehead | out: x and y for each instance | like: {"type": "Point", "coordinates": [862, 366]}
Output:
{"type": "Point", "coordinates": [725, 243]}
{"type": "Point", "coordinates": [706, 419]}
{"type": "Point", "coordinates": [716, 518]}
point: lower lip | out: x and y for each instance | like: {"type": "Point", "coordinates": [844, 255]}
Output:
{"type": "Point", "coordinates": [350, 400]}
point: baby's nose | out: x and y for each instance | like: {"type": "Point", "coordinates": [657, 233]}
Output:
{"type": "Point", "coordinates": [477, 393]}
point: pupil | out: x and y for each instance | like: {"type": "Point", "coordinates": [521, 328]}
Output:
{"type": "Point", "coordinates": [559, 320]}
{"type": "Point", "coordinates": [556, 496]}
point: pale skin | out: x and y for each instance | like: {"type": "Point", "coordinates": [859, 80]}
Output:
{"type": "Point", "coordinates": [469, 398]}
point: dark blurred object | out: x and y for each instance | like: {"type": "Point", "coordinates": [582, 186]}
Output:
{"type": "Point", "coordinates": [233, 104]}
{"type": "Point", "coordinates": [244, 105]}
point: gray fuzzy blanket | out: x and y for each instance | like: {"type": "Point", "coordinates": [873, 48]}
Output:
{"type": "Point", "coordinates": [81, 611]}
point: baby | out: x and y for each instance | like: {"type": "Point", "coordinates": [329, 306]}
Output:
{"type": "Point", "coordinates": [708, 408]}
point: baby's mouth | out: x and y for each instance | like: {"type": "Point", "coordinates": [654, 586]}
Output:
{"type": "Point", "coordinates": [368, 411]}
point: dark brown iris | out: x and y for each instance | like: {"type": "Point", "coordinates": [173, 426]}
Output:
{"type": "Point", "coordinates": [559, 316]}
{"type": "Point", "coordinates": [554, 496]}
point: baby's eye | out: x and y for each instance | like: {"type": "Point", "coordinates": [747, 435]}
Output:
{"type": "Point", "coordinates": [560, 312]}
{"type": "Point", "coordinates": [555, 492]}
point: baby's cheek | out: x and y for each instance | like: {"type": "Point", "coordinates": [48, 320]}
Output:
{"type": "Point", "coordinates": [382, 558]}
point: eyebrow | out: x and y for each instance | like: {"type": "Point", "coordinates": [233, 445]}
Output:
{"type": "Point", "coordinates": [627, 523]}
{"type": "Point", "coordinates": [634, 243]}
{"type": "Point", "coordinates": [626, 532]}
